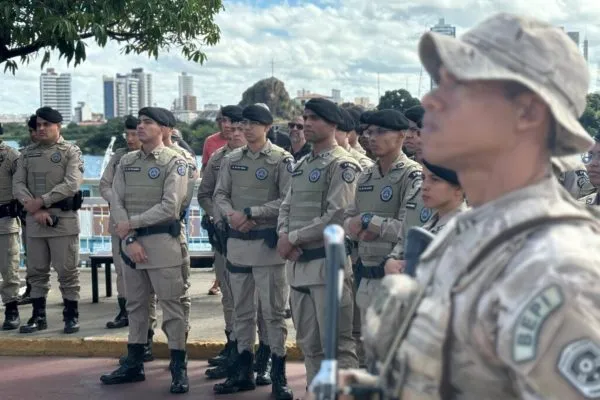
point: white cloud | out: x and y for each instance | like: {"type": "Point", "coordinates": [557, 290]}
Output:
{"type": "Point", "coordinates": [338, 44]}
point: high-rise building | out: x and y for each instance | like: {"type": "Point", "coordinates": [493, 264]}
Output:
{"type": "Point", "coordinates": [443, 29]}
{"type": "Point", "coordinates": [83, 112]}
{"type": "Point", "coordinates": [121, 95]}
{"type": "Point", "coordinates": [109, 97]}
{"type": "Point", "coordinates": [186, 88]}
{"type": "Point", "coordinates": [336, 96]}
{"type": "Point", "coordinates": [145, 87]}
{"type": "Point", "coordinates": [190, 103]}
{"type": "Point", "coordinates": [55, 92]}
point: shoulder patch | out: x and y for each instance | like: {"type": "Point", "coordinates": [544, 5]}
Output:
{"type": "Point", "coordinates": [181, 167]}
{"type": "Point", "coordinates": [425, 214]}
{"type": "Point", "coordinates": [348, 175]}
{"type": "Point", "coordinates": [579, 364]}
{"type": "Point", "coordinates": [350, 165]}
{"type": "Point", "coordinates": [531, 320]}
{"type": "Point", "coordinates": [415, 175]}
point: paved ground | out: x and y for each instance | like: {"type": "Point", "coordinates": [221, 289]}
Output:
{"type": "Point", "coordinates": [50, 378]}
{"type": "Point", "coordinates": [207, 315]}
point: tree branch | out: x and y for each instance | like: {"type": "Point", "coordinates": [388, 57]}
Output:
{"type": "Point", "coordinates": [31, 48]}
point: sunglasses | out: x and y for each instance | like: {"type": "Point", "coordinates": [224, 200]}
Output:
{"type": "Point", "coordinates": [292, 125]}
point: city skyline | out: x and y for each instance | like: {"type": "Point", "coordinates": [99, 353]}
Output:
{"type": "Point", "coordinates": [325, 44]}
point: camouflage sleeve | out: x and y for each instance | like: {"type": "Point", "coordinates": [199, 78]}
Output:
{"type": "Point", "coordinates": [20, 191]}
{"type": "Point", "coordinates": [207, 187]}
{"type": "Point", "coordinates": [106, 180]}
{"type": "Point", "coordinates": [174, 192]}
{"type": "Point", "coordinates": [71, 182]}
{"type": "Point", "coordinates": [270, 210]}
{"type": "Point", "coordinates": [222, 196]}
{"type": "Point", "coordinates": [283, 220]}
{"type": "Point", "coordinates": [342, 187]}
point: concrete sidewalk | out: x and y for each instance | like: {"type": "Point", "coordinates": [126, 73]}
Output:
{"type": "Point", "coordinates": [94, 340]}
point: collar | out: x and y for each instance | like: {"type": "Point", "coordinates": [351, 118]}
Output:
{"type": "Point", "coordinates": [265, 150]}
{"type": "Point", "coordinates": [155, 153]}
{"type": "Point", "coordinates": [323, 154]}
{"type": "Point", "coordinates": [398, 163]}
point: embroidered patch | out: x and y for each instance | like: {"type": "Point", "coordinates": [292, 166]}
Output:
{"type": "Point", "coordinates": [582, 180]}
{"type": "Point", "coordinates": [581, 173]}
{"type": "Point", "coordinates": [347, 164]}
{"type": "Point", "coordinates": [314, 176]}
{"type": "Point", "coordinates": [366, 188]}
{"type": "Point", "coordinates": [298, 173]}
{"type": "Point", "coordinates": [33, 155]}
{"type": "Point", "coordinates": [530, 321]}
{"type": "Point", "coordinates": [154, 172]}
{"type": "Point", "coordinates": [216, 167]}
{"type": "Point", "coordinates": [261, 174]}
{"type": "Point", "coordinates": [386, 193]}
{"type": "Point", "coordinates": [56, 157]}
{"type": "Point", "coordinates": [239, 167]}
{"type": "Point", "coordinates": [132, 169]}
{"type": "Point", "coordinates": [589, 200]}
{"type": "Point", "coordinates": [399, 165]}
{"type": "Point", "coordinates": [348, 175]}
{"type": "Point", "coordinates": [425, 214]}
{"type": "Point", "coordinates": [415, 175]}
{"type": "Point", "coordinates": [579, 364]}
{"type": "Point", "coordinates": [181, 170]}
{"type": "Point", "coordinates": [290, 167]}
{"type": "Point", "coordinates": [416, 184]}
{"type": "Point", "coordinates": [411, 206]}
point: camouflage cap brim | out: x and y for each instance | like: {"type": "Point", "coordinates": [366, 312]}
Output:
{"type": "Point", "coordinates": [468, 62]}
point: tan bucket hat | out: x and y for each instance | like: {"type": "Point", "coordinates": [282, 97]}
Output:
{"type": "Point", "coordinates": [531, 52]}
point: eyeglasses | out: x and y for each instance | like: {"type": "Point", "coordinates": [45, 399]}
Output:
{"type": "Point", "coordinates": [292, 125]}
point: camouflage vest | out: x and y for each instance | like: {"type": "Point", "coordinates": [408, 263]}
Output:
{"type": "Point", "coordinates": [309, 187]}
{"type": "Point", "coordinates": [6, 173]}
{"type": "Point", "coordinates": [144, 179]}
{"type": "Point", "coordinates": [46, 166]}
{"type": "Point", "coordinates": [254, 181]}
{"type": "Point", "coordinates": [381, 196]}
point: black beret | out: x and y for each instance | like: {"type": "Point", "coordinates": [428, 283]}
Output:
{"type": "Point", "coordinates": [49, 114]}
{"type": "Point", "coordinates": [171, 117]}
{"type": "Point", "coordinates": [389, 119]}
{"type": "Point", "coordinates": [355, 114]}
{"type": "Point", "coordinates": [415, 114]}
{"type": "Point", "coordinates": [157, 114]}
{"type": "Point", "coordinates": [258, 114]}
{"type": "Point", "coordinates": [325, 109]}
{"type": "Point", "coordinates": [131, 122]}
{"type": "Point", "coordinates": [364, 117]}
{"type": "Point", "coordinates": [446, 174]}
{"type": "Point", "coordinates": [32, 123]}
{"type": "Point", "coordinates": [234, 113]}
{"type": "Point", "coordinates": [347, 124]}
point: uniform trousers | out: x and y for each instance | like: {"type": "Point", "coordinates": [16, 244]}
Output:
{"type": "Point", "coordinates": [63, 253]}
{"type": "Point", "coordinates": [119, 265]}
{"type": "Point", "coordinates": [9, 267]}
{"type": "Point", "coordinates": [169, 287]}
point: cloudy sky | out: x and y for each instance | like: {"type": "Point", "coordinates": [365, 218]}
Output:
{"type": "Point", "coordinates": [317, 45]}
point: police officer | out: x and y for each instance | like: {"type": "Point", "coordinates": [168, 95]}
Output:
{"type": "Point", "coordinates": [105, 186]}
{"type": "Point", "coordinates": [9, 238]}
{"type": "Point", "coordinates": [576, 180]}
{"type": "Point", "coordinates": [149, 189]}
{"type": "Point", "coordinates": [412, 143]}
{"type": "Point", "coordinates": [341, 137]}
{"type": "Point", "coordinates": [592, 165]}
{"type": "Point", "coordinates": [251, 185]}
{"type": "Point", "coordinates": [323, 185]}
{"type": "Point", "coordinates": [47, 182]}
{"type": "Point", "coordinates": [355, 113]}
{"type": "Point", "coordinates": [505, 306]}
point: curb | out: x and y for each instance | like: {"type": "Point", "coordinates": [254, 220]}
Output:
{"type": "Point", "coordinates": [111, 347]}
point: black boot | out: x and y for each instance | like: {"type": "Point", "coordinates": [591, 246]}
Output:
{"type": "Point", "coordinates": [263, 365]}
{"type": "Point", "coordinates": [131, 371]}
{"type": "Point", "coordinates": [222, 356]}
{"type": "Point", "coordinates": [11, 316]}
{"type": "Point", "coordinates": [26, 299]}
{"type": "Point", "coordinates": [71, 316]}
{"type": "Point", "coordinates": [120, 320]}
{"type": "Point", "coordinates": [220, 371]}
{"type": "Point", "coordinates": [148, 356]}
{"type": "Point", "coordinates": [241, 378]}
{"type": "Point", "coordinates": [37, 322]}
{"type": "Point", "coordinates": [178, 367]}
{"type": "Point", "coordinates": [280, 389]}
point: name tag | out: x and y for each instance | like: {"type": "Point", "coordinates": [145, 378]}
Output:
{"type": "Point", "coordinates": [297, 173]}
{"type": "Point", "coordinates": [132, 169]}
{"type": "Point", "coordinates": [239, 168]}
{"type": "Point", "coordinates": [32, 155]}
{"type": "Point", "coordinates": [366, 188]}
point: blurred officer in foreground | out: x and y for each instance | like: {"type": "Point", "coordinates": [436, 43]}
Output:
{"type": "Point", "coordinates": [47, 182]}
{"type": "Point", "coordinates": [592, 165]}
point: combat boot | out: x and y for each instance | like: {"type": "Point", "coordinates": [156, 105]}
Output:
{"type": "Point", "coordinates": [37, 322]}
{"type": "Point", "coordinates": [280, 389]}
{"type": "Point", "coordinates": [132, 370]}
{"type": "Point", "coordinates": [220, 371]}
{"type": "Point", "coordinates": [241, 378]}
{"type": "Point", "coordinates": [26, 297]}
{"type": "Point", "coordinates": [11, 316]}
{"type": "Point", "coordinates": [121, 320]}
{"type": "Point", "coordinates": [262, 367]}
{"type": "Point", "coordinates": [71, 316]}
{"type": "Point", "coordinates": [222, 356]}
{"type": "Point", "coordinates": [178, 367]}
{"type": "Point", "coordinates": [148, 356]}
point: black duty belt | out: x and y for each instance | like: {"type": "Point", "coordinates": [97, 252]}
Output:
{"type": "Point", "coordinates": [300, 289]}
{"type": "Point", "coordinates": [10, 209]}
{"type": "Point", "coordinates": [269, 235]}
{"type": "Point", "coordinates": [377, 272]}
{"type": "Point", "coordinates": [238, 269]}
{"type": "Point", "coordinates": [173, 228]}
{"type": "Point", "coordinates": [70, 203]}
{"type": "Point", "coordinates": [316, 254]}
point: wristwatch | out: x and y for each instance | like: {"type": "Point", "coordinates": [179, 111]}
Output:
{"type": "Point", "coordinates": [130, 240]}
{"type": "Point", "coordinates": [365, 220]}
{"type": "Point", "coordinates": [248, 212]}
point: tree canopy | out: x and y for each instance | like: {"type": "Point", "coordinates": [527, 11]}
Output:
{"type": "Point", "coordinates": [400, 100]}
{"type": "Point", "coordinates": [139, 26]}
{"type": "Point", "coordinates": [591, 116]}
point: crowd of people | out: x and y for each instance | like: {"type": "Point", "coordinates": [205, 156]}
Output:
{"type": "Point", "coordinates": [502, 305]}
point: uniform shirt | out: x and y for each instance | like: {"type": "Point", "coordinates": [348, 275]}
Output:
{"type": "Point", "coordinates": [209, 182]}
{"type": "Point", "coordinates": [106, 182]}
{"type": "Point", "coordinates": [359, 148]}
{"type": "Point", "coordinates": [192, 172]}
{"type": "Point", "coordinates": [211, 144]}
{"type": "Point", "coordinates": [8, 166]}
{"type": "Point", "coordinates": [591, 199]}
{"type": "Point", "coordinates": [53, 172]}
{"type": "Point", "coordinates": [363, 160]}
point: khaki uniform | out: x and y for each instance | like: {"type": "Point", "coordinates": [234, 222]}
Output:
{"type": "Point", "coordinates": [9, 228]}
{"type": "Point", "coordinates": [591, 199]}
{"type": "Point", "coordinates": [53, 173]}
{"type": "Point", "coordinates": [577, 182]}
{"type": "Point", "coordinates": [385, 197]}
{"type": "Point", "coordinates": [105, 187]}
{"type": "Point", "coordinates": [149, 189]}
{"type": "Point", "coordinates": [323, 185]}
{"type": "Point", "coordinates": [363, 160]}
{"type": "Point", "coordinates": [258, 181]}
{"type": "Point", "coordinates": [506, 315]}
{"type": "Point", "coordinates": [359, 148]}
